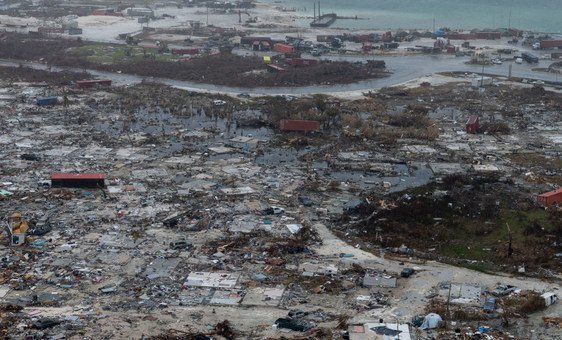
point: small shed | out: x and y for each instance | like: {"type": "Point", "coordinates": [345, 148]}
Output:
{"type": "Point", "coordinates": [46, 101]}
{"type": "Point", "coordinates": [472, 124]}
{"type": "Point", "coordinates": [549, 298]}
{"type": "Point", "coordinates": [550, 198]}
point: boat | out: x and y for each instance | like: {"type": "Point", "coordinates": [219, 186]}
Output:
{"type": "Point", "coordinates": [324, 20]}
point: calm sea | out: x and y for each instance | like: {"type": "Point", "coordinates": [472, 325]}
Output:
{"type": "Point", "coordinates": [535, 15]}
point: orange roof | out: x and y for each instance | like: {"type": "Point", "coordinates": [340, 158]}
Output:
{"type": "Point", "coordinates": [551, 193]}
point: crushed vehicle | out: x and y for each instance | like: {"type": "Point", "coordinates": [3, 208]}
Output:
{"type": "Point", "coordinates": [407, 272]}
{"type": "Point", "coordinates": [273, 210]}
{"type": "Point", "coordinates": [503, 290]}
{"type": "Point", "coordinates": [490, 305]}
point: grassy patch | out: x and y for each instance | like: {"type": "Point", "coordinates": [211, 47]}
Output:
{"type": "Point", "coordinates": [535, 160]}
{"type": "Point", "coordinates": [114, 54]}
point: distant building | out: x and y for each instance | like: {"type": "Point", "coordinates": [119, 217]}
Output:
{"type": "Point", "coordinates": [472, 124]}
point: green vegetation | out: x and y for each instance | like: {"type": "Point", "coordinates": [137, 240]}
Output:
{"type": "Point", "coordinates": [483, 241]}
{"type": "Point", "coordinates": [117, 54]}
{"type": "Point", "coordinates": [469, 219]}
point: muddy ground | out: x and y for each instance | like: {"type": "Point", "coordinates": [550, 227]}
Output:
{"type": "Point", "coordinates": [25, 74]}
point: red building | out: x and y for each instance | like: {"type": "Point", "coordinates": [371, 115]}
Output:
{"type": "Point", "coordinates": [472, 124]}
{"type": "Point", "coordinates": [86, 180]}
{"type": "Point", "coordinates": [299, 125]}
{"type": "Point", "coordinates": [550, 198]}
{"type": "Point", "coordinates": [283, 48]}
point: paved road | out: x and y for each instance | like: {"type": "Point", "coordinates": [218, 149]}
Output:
{"type": "Point", "coordinates": [403, 68]}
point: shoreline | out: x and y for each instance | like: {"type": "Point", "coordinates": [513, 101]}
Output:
{"type": "Point", "coordinates": [304, 15]}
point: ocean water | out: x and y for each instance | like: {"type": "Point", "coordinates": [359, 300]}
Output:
{"type": "Point", "coordinates": [537, 15]}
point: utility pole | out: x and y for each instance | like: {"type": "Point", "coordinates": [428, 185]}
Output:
{"type": "Point", "coordinates": [314, 16]}
{"type": "Point", "coordinates": [482, 79]}
{"type": "Point", "coordinates": [448, 302]}
{"type": "Point", "coordinates": [509, 244]}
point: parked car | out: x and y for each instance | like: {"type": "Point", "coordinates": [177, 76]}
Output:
{"type": "Point", "coordinates": [502, 290]}
{"type": "Point", "coordinates": [180, 244]}
{"type": "Point", "coordinates": [244, 95]}
{"type": "Point", "coordinates": [407, 272]}
{"type": "Point", "coordinates": [490, 305]}
{"type": "Point", "coordinates": [219, 102]}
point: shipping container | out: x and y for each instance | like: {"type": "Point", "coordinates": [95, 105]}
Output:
{"type": "Point", "coordinates": [283, 48]}
{"type": "Point", "coordinates": [83, 84]}
{"type": "Point", "coordinates": [71, 180]}
{"type": "Point", "coordinates": [472, 124]}
{"type": "Point", "coordinates": [45, 101]}
{"type": "Point", "coordinates": [461, 36]}
{"type": "Point", "coordinates": [550, 198]}
{"type": "Point", "coordinates": [488, 35]}
{"type": "Point", "coordinates": [550, 44]}
{"type": "Point", "coordinates": [299, 125]}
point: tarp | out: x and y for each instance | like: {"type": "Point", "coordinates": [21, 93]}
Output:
{"type": "Point", "coordinates": [431, 320]}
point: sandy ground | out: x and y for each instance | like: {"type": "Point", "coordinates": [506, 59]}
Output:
{"type": "Point", "coordinates": [410, 293]}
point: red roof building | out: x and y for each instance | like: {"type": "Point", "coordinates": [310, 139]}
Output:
{"type": "Point", "coordinates": [550, 198]}
{"type": "Point", "coordinates": [472, 124]}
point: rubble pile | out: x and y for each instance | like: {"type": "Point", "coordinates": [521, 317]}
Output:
{"type": "Point", "coordinates": [167, 218]}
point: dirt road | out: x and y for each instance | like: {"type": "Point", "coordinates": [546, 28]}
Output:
{"type": "Point", "coordinates": [411, 292]}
